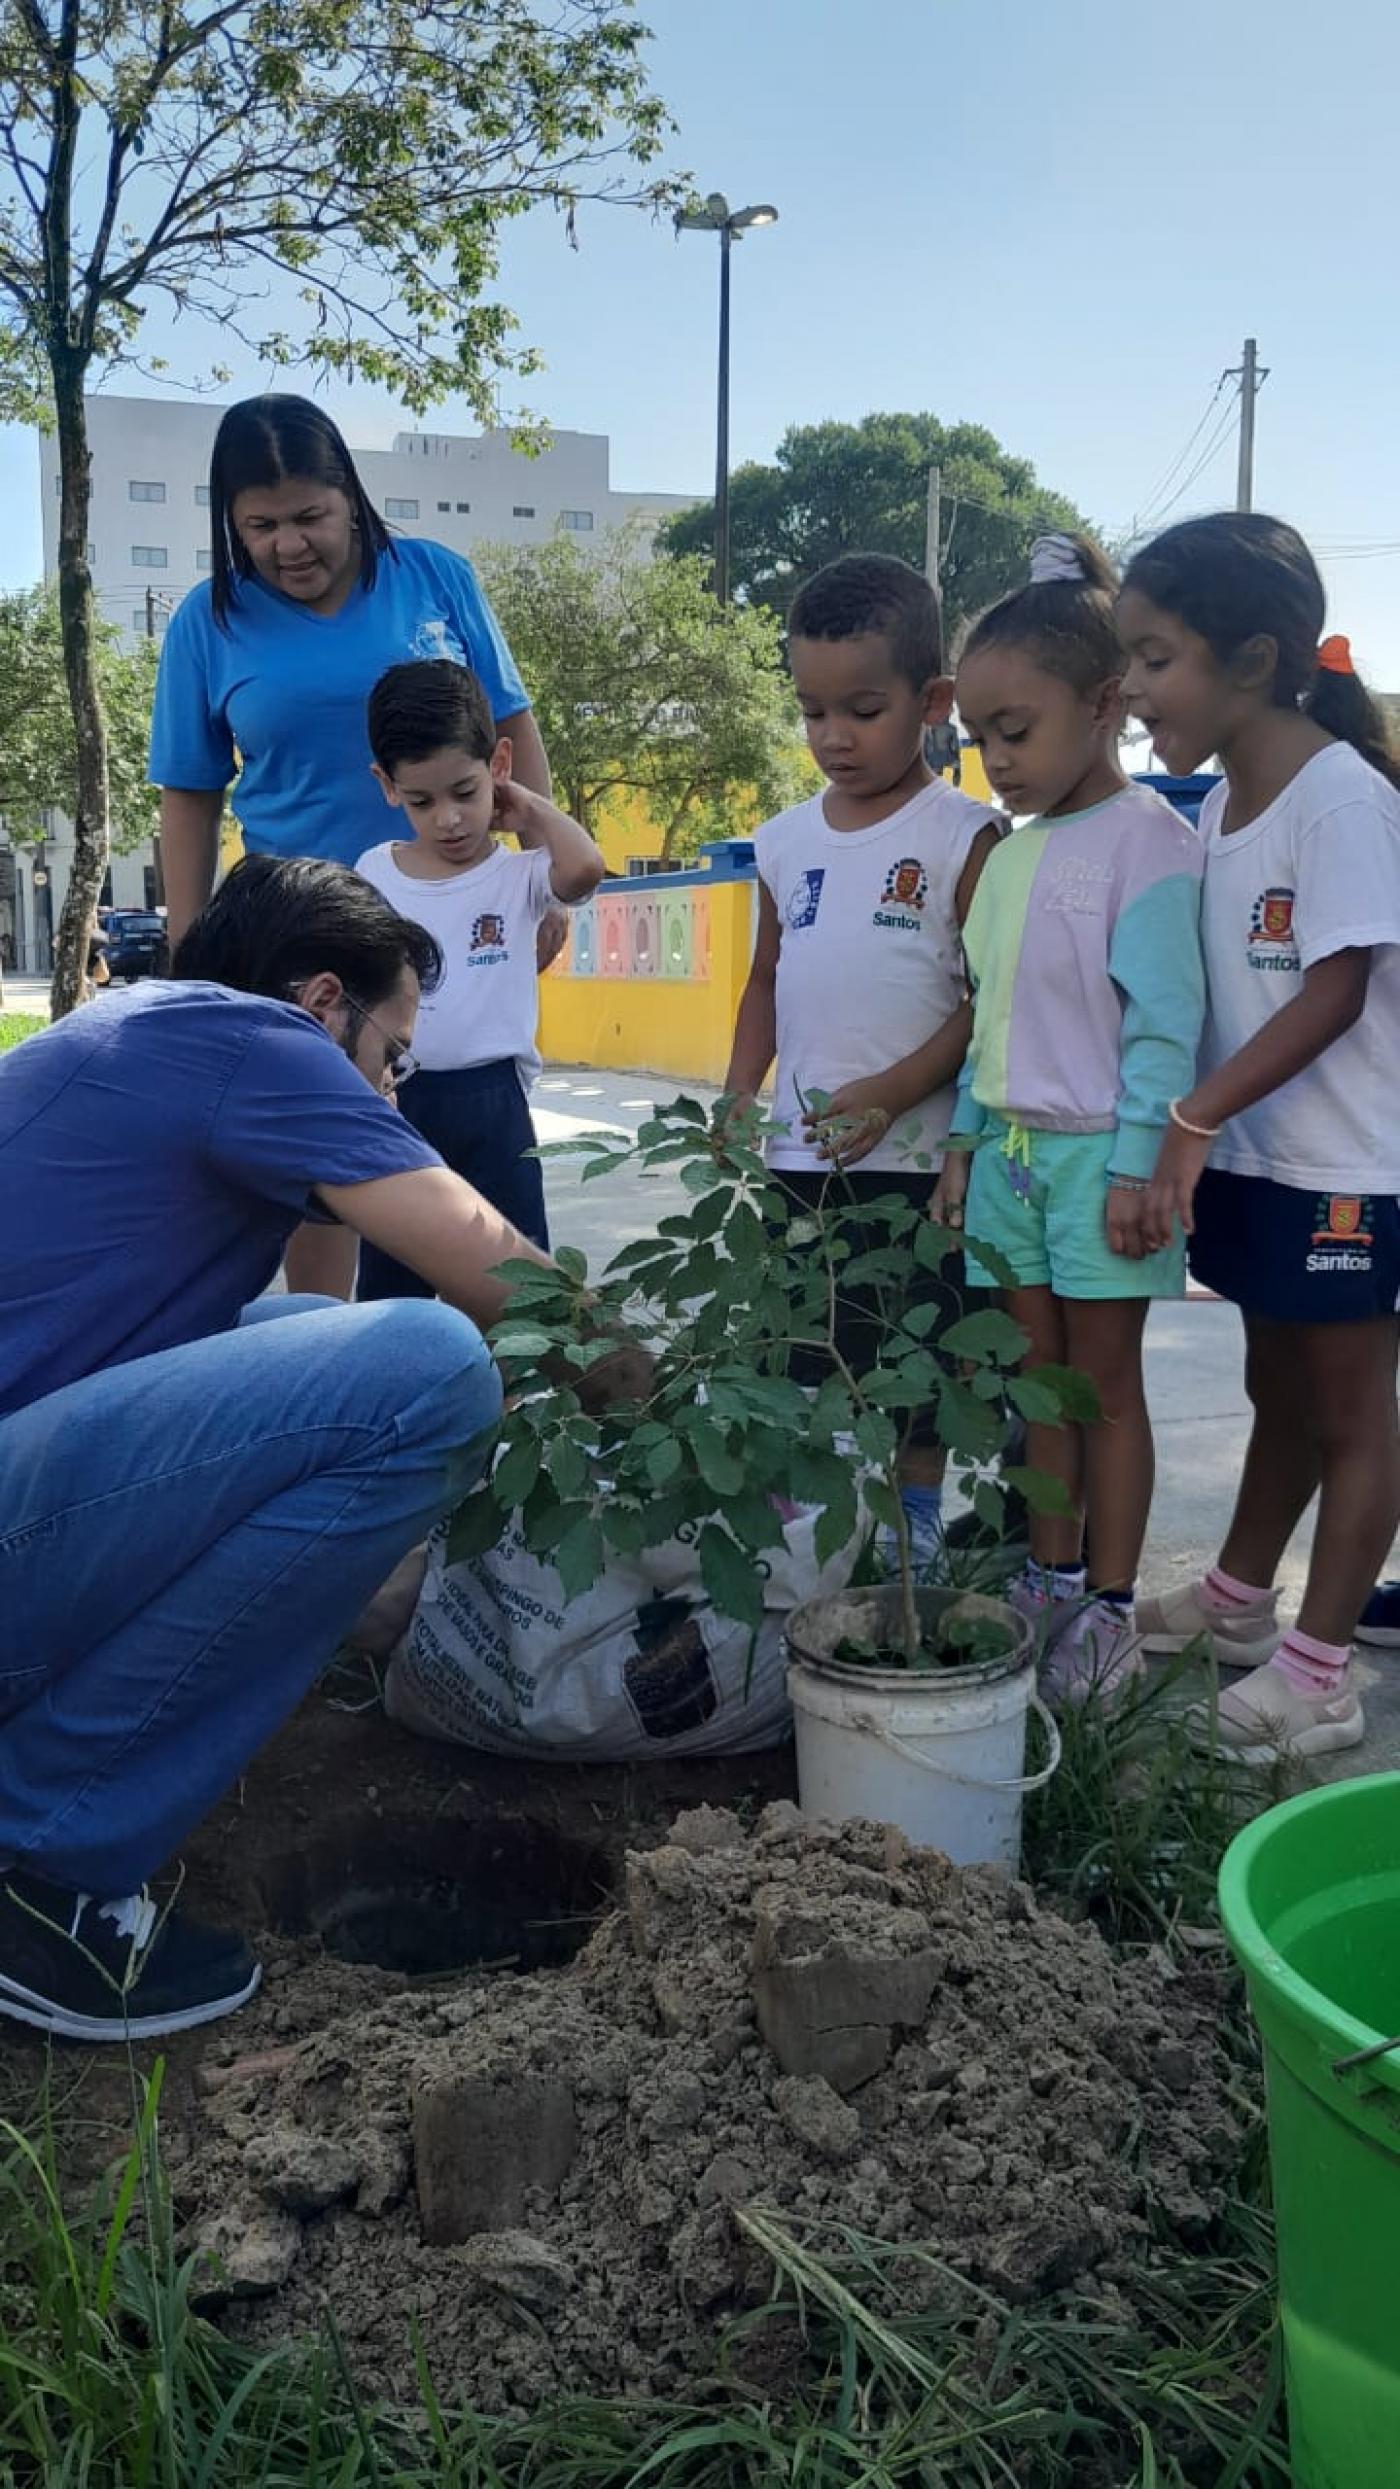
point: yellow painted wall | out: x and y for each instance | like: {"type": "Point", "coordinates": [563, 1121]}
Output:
{"type": "Point", "coordinates": [679, 1027]}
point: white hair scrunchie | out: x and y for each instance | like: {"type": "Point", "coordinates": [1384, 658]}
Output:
{"type": "Point", "coordinates": [1056, 558]}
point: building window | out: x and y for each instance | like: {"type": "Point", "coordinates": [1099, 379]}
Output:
{"type": "Point", "coordinates": [400, 509]}
{"type": "Point", "coordinates": [523, 510]}
{"type": "Point", "coordinates": [462, 508]}
{"type": "Point", "coordinates": [145, 492]}
{"type": "Point", "coordinates": [149, 557]}
{"type": "Point", "coordinates": [204, 559]}
{"type": "Point", "coordinates": [444, 505]}
{"type": "Point", "coordinates": [201, 496]}
{"type": "Point", "coordinates": [579, 522]}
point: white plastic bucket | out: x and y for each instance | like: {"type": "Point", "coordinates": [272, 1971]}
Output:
{"type": "Point", "coordinates": [941, 1755]}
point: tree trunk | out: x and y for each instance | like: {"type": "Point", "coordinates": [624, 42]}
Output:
{"type": "Point", "coordinates": [91, 838]}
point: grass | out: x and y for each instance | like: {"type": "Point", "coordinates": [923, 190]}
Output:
{"type": "Point", "coordinates": [902, 2371]}
{"type": "Point", "coordinates": [15, 1025]}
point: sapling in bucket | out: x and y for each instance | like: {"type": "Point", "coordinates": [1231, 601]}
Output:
{"type": "Point", "coordinates": [725, 1295]}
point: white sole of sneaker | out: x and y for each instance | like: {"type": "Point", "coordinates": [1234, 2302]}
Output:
{"type": "Point", "coordinates": [1329, 1737]}
{"type": "Point", "coordinates": [23, 2005]}
{"type": "Point", "coordinates": [1380, 1637]}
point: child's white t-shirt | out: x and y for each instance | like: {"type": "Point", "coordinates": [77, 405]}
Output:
{"type": "Point", "coordinates": [1317, 873]}
{"type": "Point", "coordinates": [870, 963]}
{"type": "Point", "coordinates": [487, 1008]}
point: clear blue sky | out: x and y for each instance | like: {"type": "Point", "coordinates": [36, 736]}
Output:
{"type": "Point", "coordinates": [1059, 221]}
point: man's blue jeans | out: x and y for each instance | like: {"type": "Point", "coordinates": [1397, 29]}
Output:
{"type": "Point", "coordinates": [184, 1540]}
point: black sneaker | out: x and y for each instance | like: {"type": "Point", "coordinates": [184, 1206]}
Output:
{"type": "Point", "coordinates": [112, 1970]}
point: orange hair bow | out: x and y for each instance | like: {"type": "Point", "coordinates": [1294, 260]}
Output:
{"type": "Point", "coordinates": [1334, 656]}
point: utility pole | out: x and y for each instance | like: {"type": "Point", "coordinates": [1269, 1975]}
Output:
{"type": "Point", "coordinates": [932, 525]}
{"type": "Point", "coordinates": [1251, 379]}
{"type": "Point", "coordinates": [726, 240]}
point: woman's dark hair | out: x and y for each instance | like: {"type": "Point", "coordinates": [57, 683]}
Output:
{"type": "Point", "coordinates": [1240, 576]}
{"type": "Point", "coordinates": [1065, 625]}
{"type": "Point", "coordinates": [278, 920]}
{"type": "Point", "coordinates": [863, 593]}
{"type": "Point", "coordinates": [427, 706]}
{"type": "Point", "coordinates": [271, 440]}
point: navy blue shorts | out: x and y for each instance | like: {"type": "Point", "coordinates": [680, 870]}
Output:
{"type": "Point", "coordinates": [1287, 1255]}
{"type": "Point", "coordinates": [478, 1121]}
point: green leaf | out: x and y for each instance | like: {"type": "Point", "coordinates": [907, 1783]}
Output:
{"type": "Point", "coordinates": [989, 1503]}
{"type": "Point", "coordinates": [1079, 1402]}
{"type": "Point", "coordinates": [1037, 1401]}
{"type": "Point", "coordinates": [876, 1436]}
{"type": "Point", "coordinates": [754, 1519]}
{"type": "Point", "coordinates": [881, 1499]}
{"type": "Point", "coordinates": [698, 1175]}
{"type": "Point", "coordinates": [622, 1527]}
{"type": "Point", "coordinates": [568, 1465]}
{"type": "Point", "coordinates": [475, 1528]}
{"type": "Point", "coordinates": [722, 1473]}
{"type": "Point", "coordinates": [516, 1470]}
{"type": "Point", "coordinates": [573, 1264]}
{"type": "Point", "coordinates": [988, 1335]}
{"type": "Point", "coordinates": [1042, 1492]}
{"type": "Point", "coordinates": [664, 1462]}
{"type": "Point", "coordinates": [934, 1245]}
{"type": "Point", "coordinates": [733, 1582]}
{"type": "Point", "coordinates": [836, 1526]}
{"type": "Point", "coordinates": [967, 1425]}
{"type": "Point", "coordinates": [580, 1556]}
{"type": "Point", "coordinates": [515, 1339]}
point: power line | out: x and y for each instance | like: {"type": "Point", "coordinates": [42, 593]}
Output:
{"type": "Point", "coordinates": [1212, 450]}
{"type": "Point", "coordinates": [1143, 515]}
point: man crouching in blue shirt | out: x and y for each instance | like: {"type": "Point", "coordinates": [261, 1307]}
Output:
{"type": "Point", "coordinates": [197, 1496]}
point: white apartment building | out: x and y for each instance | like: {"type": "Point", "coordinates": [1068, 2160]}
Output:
{"type": "Point", "coordinates": [149, 544]}
{"type": "Point", "coordinates": [150, 497]}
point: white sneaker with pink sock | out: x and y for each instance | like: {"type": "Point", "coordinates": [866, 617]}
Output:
{"type": "Point", "coordinates": [1301, 1702]}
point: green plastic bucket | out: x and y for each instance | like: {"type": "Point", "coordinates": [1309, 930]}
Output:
{"type": "Point", "coordinates": [1311, 1901]}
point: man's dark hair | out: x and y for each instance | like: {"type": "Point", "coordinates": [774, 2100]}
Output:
{"type": "Point", "coordinates": [270, 440]}
{"type": "Point", "coordinates": [868, 592]}
{"type": "Point", "coordinates": [431, 705]}
{"type": "Point", "coordinates": [278, 920]}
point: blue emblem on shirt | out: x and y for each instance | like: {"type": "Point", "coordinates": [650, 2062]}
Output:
{"type": "Point", "coordinates": [804, 898]}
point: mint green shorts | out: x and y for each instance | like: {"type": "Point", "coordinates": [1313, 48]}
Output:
{"type": "Point", "coordinates": [1056, 1236]}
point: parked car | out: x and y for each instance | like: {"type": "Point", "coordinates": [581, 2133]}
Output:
{"type": "Point", "coordinates": [136, 943]}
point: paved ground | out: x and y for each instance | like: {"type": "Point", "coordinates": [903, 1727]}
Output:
{"type": "Point", "coordinates": [27, 994]}
{"type": "Point", "coordinates": [1195, 1376]}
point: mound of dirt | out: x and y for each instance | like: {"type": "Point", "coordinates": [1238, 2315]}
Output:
{"type": "Point", "coordinates": [545, 2171]}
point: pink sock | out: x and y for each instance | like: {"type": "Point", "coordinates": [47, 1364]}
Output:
{"type": "Point", "coordinates": [1311, 1667]}
{"type": "Point", "coordinates": [1227, 1592]}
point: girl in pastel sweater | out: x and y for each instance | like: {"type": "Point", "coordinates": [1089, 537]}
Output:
{"type": "Point", "coordinates": [1083, 944]}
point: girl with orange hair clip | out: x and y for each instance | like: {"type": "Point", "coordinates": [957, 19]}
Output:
{"type": "Point", "coordinates": [1283, 1162]}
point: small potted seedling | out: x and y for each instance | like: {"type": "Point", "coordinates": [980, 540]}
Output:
{"type": "Point", "coordinates": [724, 1293]}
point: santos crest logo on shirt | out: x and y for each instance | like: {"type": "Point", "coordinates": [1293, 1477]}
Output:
{"type": "Point", "coordinates": [905, 895]}
{"type": "Point", "coordinates": [804, 898]}
{"type": "Point", "coordinates": [1342, 1233]}
{"type": "Point", "coordinates": [1273, 942]}
{"type": "Point", "coordinates": [489, 933]}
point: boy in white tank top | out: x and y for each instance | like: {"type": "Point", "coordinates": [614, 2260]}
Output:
{"type": "Point", "coordinates": [857, 983]}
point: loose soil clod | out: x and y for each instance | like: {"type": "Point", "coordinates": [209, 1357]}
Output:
{"type": "Point", "coordinates": [543, 2170]}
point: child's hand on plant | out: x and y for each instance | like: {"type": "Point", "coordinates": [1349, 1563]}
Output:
{"type": "Point", "coordinates": [950, 1192]}
{"type": "Point", "coordinates": [851, 1123]}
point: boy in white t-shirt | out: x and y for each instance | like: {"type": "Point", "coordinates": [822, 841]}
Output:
{"type": "Point", "coordinates": [858, 984]}
{"type": "Point", "coordinates": [438, 758]}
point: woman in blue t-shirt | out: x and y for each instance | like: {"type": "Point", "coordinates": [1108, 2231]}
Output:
{"type": "Point", "coordinates": [268, 664]}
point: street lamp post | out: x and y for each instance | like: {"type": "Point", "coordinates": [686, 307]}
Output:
{"type": "Point", "coordinates": [731, 224]}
